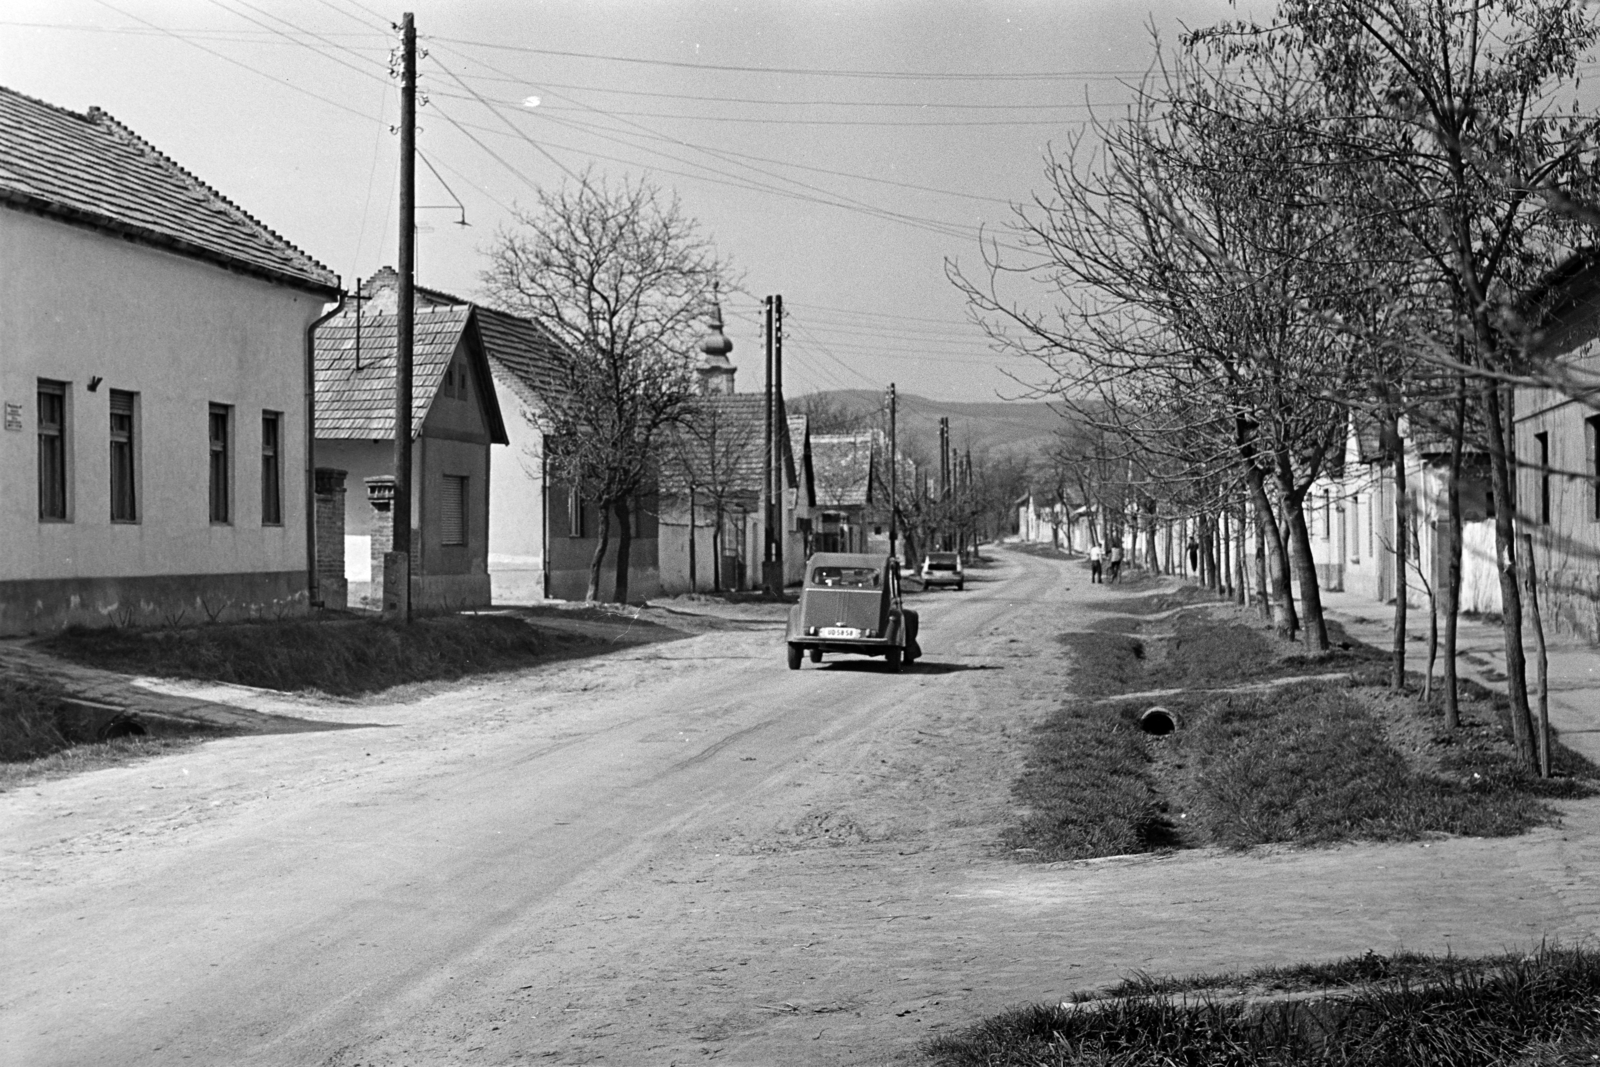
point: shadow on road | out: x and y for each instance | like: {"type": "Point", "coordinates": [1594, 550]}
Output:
{"type": "Point", "coordinates": [872, 666]}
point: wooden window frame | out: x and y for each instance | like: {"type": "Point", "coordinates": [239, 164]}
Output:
{"type": "Point", "coordinates": [272, 468]}
{"type": "Point", "coordinates": [220, 470]}
{"type": "Point", "coordinates": [54, 449]}
{"type": "Point", "coordinates": [123, 454]}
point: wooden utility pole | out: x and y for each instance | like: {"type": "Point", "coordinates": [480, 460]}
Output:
{"type": "Point", "coordinates": [894, 480]}
{"type": "Point", "coordinates": [766, 460]}
{"type": "Point", "coordinates": [780, 433]}
{"type": "Point", "coordinates": [397, 573]}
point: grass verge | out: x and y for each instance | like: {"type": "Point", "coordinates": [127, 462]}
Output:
{"type": "Point", "coordinates": [343, 657]}
{"type": "Point", "coordinates": [1530, 1011]}
{"type": "Point", "coordinates": [1304, 763]}
{"type": "Point", "coordinates": [30, 719]}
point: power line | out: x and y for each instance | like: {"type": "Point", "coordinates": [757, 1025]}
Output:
{"type": "Point", "coordinates": [229, 59]}
{"type": "Point", "coordinates": [900, 123]}
{"type": "Point", "coordinates": [536, 82]}
{"type": "Point", "coordinates": [1019, 76]}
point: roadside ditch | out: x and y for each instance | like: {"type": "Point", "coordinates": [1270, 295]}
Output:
{"type": "Point", "coordinates": [1193, 725]}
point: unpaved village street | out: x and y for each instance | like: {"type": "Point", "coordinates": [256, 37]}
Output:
{"type": "Point", "coordinates": [679, 853]}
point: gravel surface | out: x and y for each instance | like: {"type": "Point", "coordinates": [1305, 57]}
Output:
{"type": "Point", "coordinates": [676, 853]}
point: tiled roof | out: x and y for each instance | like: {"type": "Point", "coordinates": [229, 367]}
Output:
{"type": "Point", "coordinates": [740, 421]}
{"type": "Point", "coordinates": [524, 354]}
{"type": "Point", "coordinates": [93, 170]}
{"type": "Point", "coordinates": [521, 353]}
{"type": "Point", "coordinates": [842, 466]}
{"type": "Point", "coordinates": [357, 403]}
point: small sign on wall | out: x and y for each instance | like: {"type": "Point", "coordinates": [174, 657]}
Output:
{"type": "Point", "coordinates": [13, 416]}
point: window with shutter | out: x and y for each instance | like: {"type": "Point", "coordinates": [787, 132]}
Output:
{"type": "Point", "coordinates": [453, 511]}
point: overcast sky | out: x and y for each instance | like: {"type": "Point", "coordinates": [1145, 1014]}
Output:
{"type": "Point", "coordinates": [838, 152]}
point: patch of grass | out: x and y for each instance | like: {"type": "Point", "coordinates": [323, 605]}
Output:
{"type": "Point", "coordinates": [340, 657]}
{"type": "Point", "coordinates": [30, 719]}
{"type": "Point", "coordinates": [1529, 1011]}
{"type": "Point", "coordinates": [1304, 763]}
{"type": "Point", "coordinates": [1307, 765]}
{"type": "Point", "coordinates": [80, 758]}
{"type": "Point", "coordinates": [1104, 663]}
{"type": "Point", "coordinates": [1087, 790]}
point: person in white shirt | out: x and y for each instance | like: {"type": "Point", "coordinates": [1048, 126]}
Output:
{"type": "Point", "coordinates": [1096, 554]}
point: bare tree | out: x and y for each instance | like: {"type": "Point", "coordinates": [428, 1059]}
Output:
{"type": "Point", "coordinates": [1453, 103]}
{"type": "Point", "coordinates": [709, 454]}
{"type": "Point", "coordinates": [619, 274]}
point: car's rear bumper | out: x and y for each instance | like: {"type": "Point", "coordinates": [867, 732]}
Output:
{"type": "Point", "coordinates": [943, 579]}
{"type": "Point", "coordinates": [861, 646]}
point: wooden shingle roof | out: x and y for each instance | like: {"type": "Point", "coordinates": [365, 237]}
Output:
{"type": "Point", "coordinates": [355, 371]}
{"type": "Point", "coordinates": [91, 170]}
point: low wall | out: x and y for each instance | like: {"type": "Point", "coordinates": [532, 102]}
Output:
{"type": "Point", "coordinates": [43, 605]}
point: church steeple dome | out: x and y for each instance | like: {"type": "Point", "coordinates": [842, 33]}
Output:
{"type": "Point", "coordinates": [716, 370]}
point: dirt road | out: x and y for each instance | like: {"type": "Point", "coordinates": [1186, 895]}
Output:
{"type": "Point", "coordinates": [678, 853]}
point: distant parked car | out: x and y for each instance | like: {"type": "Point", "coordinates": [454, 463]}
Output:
{"type": "Point", "coordinates": [942, 568]}
{"type": "Point", "coordinates": [851, 603]}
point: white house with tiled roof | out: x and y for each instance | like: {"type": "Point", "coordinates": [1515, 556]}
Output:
{"type": "Point", "coordinates": [713, 481]}
{"type": "Point", "coordinates": [525, 364]}
{"type": "Point", "coordinates": [455, 419]}
{"type": "Point", "coordinates": [155, 382]}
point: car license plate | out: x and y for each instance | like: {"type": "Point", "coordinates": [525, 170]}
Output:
{"type": "Point", "coordinates": [840, 631]}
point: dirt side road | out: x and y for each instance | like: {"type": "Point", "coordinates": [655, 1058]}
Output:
{"type": "Point", "coordinates": [682, 852]}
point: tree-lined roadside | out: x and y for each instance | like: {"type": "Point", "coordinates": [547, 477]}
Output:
{"type": "Point", "coordinates": [1338, 222]}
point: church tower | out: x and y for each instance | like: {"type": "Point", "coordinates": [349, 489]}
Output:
{"type": "Point", "coordinates": [716, 370]}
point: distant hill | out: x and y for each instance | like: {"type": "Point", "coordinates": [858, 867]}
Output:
{"type": "Point", "coordinates": [1021, 427]}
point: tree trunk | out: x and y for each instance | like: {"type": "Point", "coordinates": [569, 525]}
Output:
{"type": "Point", "coordinates": [604, 542]}
{"type": "Point", "coordinates": [1500, 473]}
{"type": "Point", "coordinates": [716, 549]}
{"type": "Point", "coordinates": [1305, 566]}
{"type": "Point", "coordinates": [1542, 660]}
{"type": "Point", "coordinates": [693, 585]}
{"type": "Point", "coordinates": [1263, 601]}
{"type": "Point", "coordinates": [1452, 584]}
{"type": "Point", "coordinates": [624, 547]}
{"type": "Point", "coordinates": [1277, 591]}
{"type": "Point", "coordinates": [1152, 558]}
{"type": "Point", "coordinates": [1208, 553]}
{"type": "Point", "coordinates": [1224, 550]}
{"type": "Point", "coordinates": [1402, 550]}
{"type": "Point", "coordinates": [1243, 596]}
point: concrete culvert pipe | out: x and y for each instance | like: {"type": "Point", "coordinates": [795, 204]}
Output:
{"type": "Point", "coordinates": [1158, 721]}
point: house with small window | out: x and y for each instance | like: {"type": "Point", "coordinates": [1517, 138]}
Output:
{"type": "Point", "coordinates": [525, 365]}
{"type": "Point", "coordinates": [455, 418]}
{"type": "Point", "coordinates": [852, 510]}
{"type": "Point", "coordinates": [155, 460]}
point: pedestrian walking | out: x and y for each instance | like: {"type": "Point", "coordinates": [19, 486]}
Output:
{"type": "Point", "coordinates": [1096, 554]}
{"type": "Point", "coordinates": [1116, 560]}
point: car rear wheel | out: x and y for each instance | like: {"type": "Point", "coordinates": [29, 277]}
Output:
{"type": "Point", "coordinates": [794, 657]}
{"type": "Point", "coordinates": [816, 655]}
{"type": "Point", "coordinates": [892, 658]}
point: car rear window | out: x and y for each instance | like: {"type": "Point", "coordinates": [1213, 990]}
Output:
{"type": "Point", "coordinates": [848, 577]}
{"type": "Point", "coordinates": [940, 565]}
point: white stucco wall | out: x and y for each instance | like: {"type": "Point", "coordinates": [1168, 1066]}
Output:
{"type": "Point", "coordinates": [76, 305]}
{"type": "Point", "coordinates": [517, 505]}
